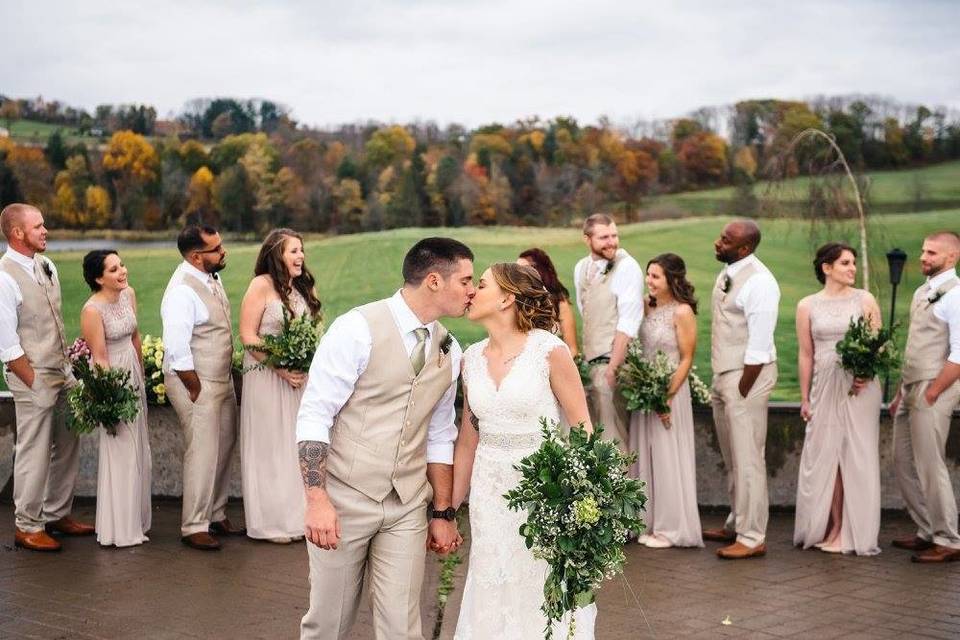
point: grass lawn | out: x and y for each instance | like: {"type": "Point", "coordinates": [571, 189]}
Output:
{"type": "Point", "coordinates": [359, 268]}
{"type": "Point", "coordinates": [38, 132]}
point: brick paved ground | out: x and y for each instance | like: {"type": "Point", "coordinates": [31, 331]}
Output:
{"type": "Point", "coordinates": [256, 590]}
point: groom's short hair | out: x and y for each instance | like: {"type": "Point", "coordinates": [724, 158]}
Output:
{"type": "Point", "coordinates": [439, 255]}
{"type": "Point", "coordinates": [191, 238]}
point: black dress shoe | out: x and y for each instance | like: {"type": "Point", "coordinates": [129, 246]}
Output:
{"type": "Point", "coordinates": [224, 528]}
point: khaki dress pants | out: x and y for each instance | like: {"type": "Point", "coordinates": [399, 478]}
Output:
{"type": "Point", "coordinates": [741, 425]}
{"type": "Point", "coordinates": [919, 453]}
{"type": "Point", "coordinates": [210, 434]}
{"type": "Point", "coordinates": [608, 407]}
{"type": "Point", "coordinates": [47, 454]}
{"type": "Point", "coordinates": [382, 542]}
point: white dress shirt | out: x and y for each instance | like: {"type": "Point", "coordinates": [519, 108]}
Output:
{"type": "Point", "coordinates": [10, 300]}
{"type": "Point", "coordinates": [342, 357]}
{"type": "Point", "coordinates": [759, 299]}
{"type": "Point", "coordinates": [947, 310]}
{"type": "Point", "coordinates": [180, 311]}
{"type": "Point", "coordinates": [626, 285]}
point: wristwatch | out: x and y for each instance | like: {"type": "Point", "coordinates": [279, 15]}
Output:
{"type": "Point", "coordinates": [449, 514]}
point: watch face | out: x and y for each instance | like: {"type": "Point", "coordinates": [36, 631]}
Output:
{"type": "Point", "coordinates": [449, 513]}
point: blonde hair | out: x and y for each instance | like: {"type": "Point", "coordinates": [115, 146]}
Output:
{"type": "Point", "coordinates": [594, 220]}
{"type": "Point", "coordinates": [535, 307]}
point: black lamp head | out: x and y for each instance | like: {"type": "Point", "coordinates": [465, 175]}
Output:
{"type": "Point", "coordinates": [896, 258]}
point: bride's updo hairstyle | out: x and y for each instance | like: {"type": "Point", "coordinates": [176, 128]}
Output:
{"type": "Point", "coordinates": [535, 308]}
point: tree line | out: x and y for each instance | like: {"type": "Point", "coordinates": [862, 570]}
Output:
{"type": "Point", "coordinates": [247, 165]}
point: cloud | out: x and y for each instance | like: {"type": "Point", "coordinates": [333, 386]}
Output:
{"type": "Point", "coordinates": [456, 61]}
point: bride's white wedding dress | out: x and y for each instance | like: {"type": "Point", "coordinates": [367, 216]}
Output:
{"type": "Point", "coordinates": [504, 587]}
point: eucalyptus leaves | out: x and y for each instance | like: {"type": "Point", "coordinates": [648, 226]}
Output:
{"type": "Point", "coordinates": [103, 396]}
{"type": "Point", "coordinates": [294, 346]}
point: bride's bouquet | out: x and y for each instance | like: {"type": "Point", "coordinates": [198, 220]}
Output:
{"type": "Point", "coordinates": [644, 383]}
{"type": "Point", "coordinates": [103, 396]}
{"type": "Point", "coordinates": [866, 352]}
{"type": "Point", "coordinates": [580, 507]}
{"type": "Point", "coordinates": [294, 346]}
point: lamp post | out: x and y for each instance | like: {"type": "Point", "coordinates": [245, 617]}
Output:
{"type": "Point", "coordinates": [896, 259]}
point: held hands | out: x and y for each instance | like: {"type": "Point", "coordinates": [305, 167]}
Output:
{"type": "Point", "coordinates": [321, 524]}
{"type": "Point", "coordinates": [859, 384]}
{"type": "Point", "coordinates": [295, 379]}
{"type": "Point", "coordinates": [443, 536]}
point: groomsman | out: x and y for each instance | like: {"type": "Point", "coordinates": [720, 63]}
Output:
{"type": "Point", "coordinates": [609, 286]}
{"type": "Point", "coordinates": [924, 404]}
{"type": "Point", "coordinates": [744, 357]}
{"type": "Point", "coordinates": [197, 365]}
{"type": "Point", "coordinates": [33, 348]}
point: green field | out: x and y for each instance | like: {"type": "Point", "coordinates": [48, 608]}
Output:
{"type": "Point", "coordinates": [354, 269]}
{"type": "Point", "coordinates": [38, 132]}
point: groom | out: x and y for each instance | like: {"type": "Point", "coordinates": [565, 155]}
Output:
{"type": "Point", "coordinates": [376, 432]}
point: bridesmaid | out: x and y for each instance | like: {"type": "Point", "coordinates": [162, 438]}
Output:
{"type": "Point", "coordinates": [539, 260]}
{"type": "Point", "coordinates": [273, 499]}
{"type": "Point", "coordinates": [665, 443]}
{"type": "Point", "coordinates": [108, 322]}
{"type": "Point", "coordinates": [838, 491]}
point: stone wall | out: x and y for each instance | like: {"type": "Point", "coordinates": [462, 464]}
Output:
{"type": "Point", "coordinates": [784, 442]}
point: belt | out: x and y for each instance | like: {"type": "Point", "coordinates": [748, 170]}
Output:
{"type": "Point", "coordinates": [599, 360]}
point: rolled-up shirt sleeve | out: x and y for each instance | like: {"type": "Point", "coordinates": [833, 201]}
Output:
{"type": "Point", "coordinates": [948, 311]}
{"type": "Point", "coordinates": [628, 288]}
{"type": "Point", "coordinates": [760, 299]}
{"type": "Point", "coordinates": [10, 348]}
{"type": "Point", "coordinates": [442, 431]}
{"type": "Point", "coordinates": [179, 315]}
{"type": "Point", "coordinates": [340, 359]}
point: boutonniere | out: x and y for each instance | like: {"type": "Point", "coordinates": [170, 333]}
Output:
{"type": "Point", "coordinates": [46, 269]}
{"type": "Point", "coordinates": [445, 345]}
{"type": "Point", "coordinates": [939, 293]}
{"type": "Point", "coordinates": [727, 283]}
{"type": "Point", "coordinates": [607, 269]}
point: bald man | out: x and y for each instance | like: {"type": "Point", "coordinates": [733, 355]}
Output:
{"type": "Point", "coordinates": [924, 404]}
{"type": "Point", "coordinates": [33, 348]}
{"type": "Point", "coordinates": [744, 359]}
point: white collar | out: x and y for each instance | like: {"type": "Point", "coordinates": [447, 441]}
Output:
{"type": "Point", "coordinates": [202, 276]}
{"type": "Point", "coordinates": [406, 319]}
{"type": "Point", "coordinates": [734, 268]}
{"type": "Point", "coordinates": [936, 281]}
{"type": "Point", "coordinates": [19, 258]}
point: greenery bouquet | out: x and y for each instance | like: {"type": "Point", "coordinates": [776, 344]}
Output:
{"type": "Point", "coordinates": [294, 346]}
{"type": "Point", "coordinates": [645, 383]}
{"type": "Point", "coordinates": [580, 507]}
{"type": "Point", "coordinates": [103, 396]}
{"type": "Point", "coordinates": [866, 352]}
{"type": "Point", "coordinates": [151, 350]}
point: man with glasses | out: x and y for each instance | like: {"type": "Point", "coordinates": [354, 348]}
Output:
{"type": "Point", "coordinates": [197, 366]}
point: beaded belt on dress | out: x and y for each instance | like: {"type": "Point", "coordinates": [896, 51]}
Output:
{"type": "Point", "coordinates": [511, 440]}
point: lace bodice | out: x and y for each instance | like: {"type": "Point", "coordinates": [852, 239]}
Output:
{"type": "Point", "coordinates": [524, 395]}
{"type": "Point", "coordinates": [271, 322]}
{"type": "Point", "coordinates": [658, 333]}
{"type": "Point", "coordinates": [829, 320]}
{"type": "Point", "coordinates": [119, 320]}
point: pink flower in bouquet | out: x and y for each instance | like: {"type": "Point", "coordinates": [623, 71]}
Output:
{"type": "Point", "coordinates": [78, 351]}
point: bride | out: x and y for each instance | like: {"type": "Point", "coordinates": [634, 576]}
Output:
{"type": "Point", "coordinates": [517, 375]}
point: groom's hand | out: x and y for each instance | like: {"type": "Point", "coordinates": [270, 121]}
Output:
{"type": "Point", "coordinates": [444, 536]}
{"type": "Point", "coordinates": [321, 525]}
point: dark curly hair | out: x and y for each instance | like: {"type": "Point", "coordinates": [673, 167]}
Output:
{"type": "Point", "coordinates": [828, 254]}
{"type": "Point", "coordinates": [270, 262]}
{"type": "Point", "coordinates": [540, 261]}
{"type": "Point", "coordinates": [535, 308]}
{"type": "Point", "coordinates": [675, 271]}
{"type": "Point", "coordinates": [93, 265]}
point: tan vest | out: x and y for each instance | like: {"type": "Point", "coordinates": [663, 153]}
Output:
{"type": "Point", "coordinates": [39, 318]}
{"type": "Point", "coordinates": [600, 315]}
{"type": "Point", "coordinates": [212, 341]}
{"type": "Point", "coordinates": [379, 439]}
{"type": "Point", "coordinates": [728, 331]}
{"type": "Point", "coordinates": [928, 342]}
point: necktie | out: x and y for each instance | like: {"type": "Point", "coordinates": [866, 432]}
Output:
{"type": "Point", "coordinates": [592, 271]}
{"type": "Point", "coordinates": [419, 354]}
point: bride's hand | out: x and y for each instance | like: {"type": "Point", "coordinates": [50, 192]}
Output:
{"type": "Point", "coordinates": [443, 536]}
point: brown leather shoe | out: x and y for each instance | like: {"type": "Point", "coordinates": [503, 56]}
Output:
{"type": "Point", "coordinates": [69, 527]}
{"type": "Point", "coordinates": [224, 528]}
{"type": "Point", "coordinates": [719, 535]}
{"type": "Point", "coordinates": [912, 543]}
{"type": "Point", "coordinates": [936, 553]}
{"type": "Point", "coordinates": [35, 541]}
{"type": "Point", "coordinates": [739, 551]}
{"type": "Point", "coordinates": [202, 541]}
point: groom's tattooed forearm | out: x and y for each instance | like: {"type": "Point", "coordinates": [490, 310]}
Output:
{"type": "Point", "coordinates": [313, 463]}
{"type": "Point", "coordinates": [475, 421]}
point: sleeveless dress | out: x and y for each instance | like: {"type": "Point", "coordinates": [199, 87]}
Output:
{"type": "Point", "coordinates": [273, 500]}
{"type": "Point", "coordinates": [123, 476]}
{"type": "Point", "coordinates": [504, 585]}
{"type": "Point", "coordinates": [843, 432]}
{"type": "Point", "coordinates": [666, 458]}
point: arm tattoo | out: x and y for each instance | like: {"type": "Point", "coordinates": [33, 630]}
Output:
{"type": "Point", "coordinates": [475, 421]}
{"type": "Point", "coordinates": [313, 463]}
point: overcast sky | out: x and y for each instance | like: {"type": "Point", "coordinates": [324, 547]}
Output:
{"type": "Point", "coordinates": [476, 62]}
